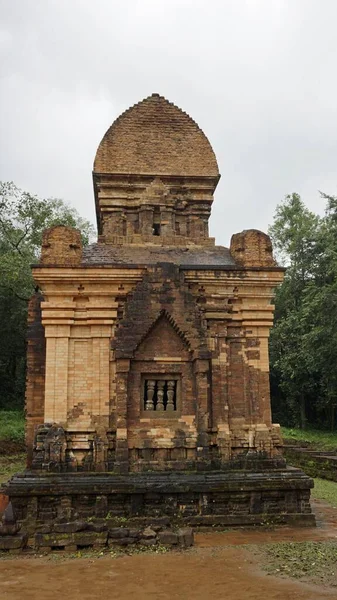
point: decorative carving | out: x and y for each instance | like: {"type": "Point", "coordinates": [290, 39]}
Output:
{"type": "Point", "coordinates": [50, 448]}
{"type": "Point", "coordinates": [160, 395]}
{"type": "Point", "coordinates": [55, 448]}
{"type": "Point", "coordinates": [100, 453]}
{"type": "Point", "coordinates": [149, 403]}
{"type": "Point", "coordinates": [170, 395]}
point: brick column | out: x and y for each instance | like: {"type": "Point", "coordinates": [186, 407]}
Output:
{"type": "Point", "coordinates": [201, 371]}
{"type": "Point", "coordinates": [218, 343]}
{"type": "Point", "coordinates": [238, 410]}
{"type": "Point", "coordinates": [56, 390]}
{"type": "Point", "coordinates": [35, 378]}
{"type": "Point", "coordinates": [167, 224]}
{"type": "Point", "coordinates": [122, 451]}
{"type": "Point", "coordinates": [257, 367]}
{"type": "Point", "coordinates": [101, 336]}
{"type": "Point", "coordinates": [219, 389]}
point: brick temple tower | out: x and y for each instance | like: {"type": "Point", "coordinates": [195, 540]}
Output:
{"type": "Point", "coordinates": [148, 351]}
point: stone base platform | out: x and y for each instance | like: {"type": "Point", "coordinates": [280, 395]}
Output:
{"type": "Point", "coordinates": [212, 499]}
{"type": "Point", "coordinates": [97, 535]}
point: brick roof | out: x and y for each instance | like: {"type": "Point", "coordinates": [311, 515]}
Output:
{"type": "Point", "coordinates": [156, 137]}
{"type": "Point", "coordinates": [142, 255]}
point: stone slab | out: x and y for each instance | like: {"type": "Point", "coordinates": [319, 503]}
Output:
{"type": "Point", "coordinates": [13, 542]}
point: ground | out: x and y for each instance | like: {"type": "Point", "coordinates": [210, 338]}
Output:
{"type": "Point", "coordinates": [229, 565]}
{"type": "Point", "coordinates": [240, 564]}
{"type": "Point", "coordinates": [206, 573]}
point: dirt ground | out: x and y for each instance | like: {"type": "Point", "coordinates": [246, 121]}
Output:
{"type": "Point", "coordinates": [218, 567]}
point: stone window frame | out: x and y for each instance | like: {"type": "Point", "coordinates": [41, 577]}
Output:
{"type": "Point", "coordinates": [161, 414]}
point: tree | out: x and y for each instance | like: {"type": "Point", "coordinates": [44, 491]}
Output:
{"type": "Point", "coordinates": [23, 217]}
{"type": "Point", "coordinates": [320, 307]}
{"type": "Point", "coordinates": [303, 345]}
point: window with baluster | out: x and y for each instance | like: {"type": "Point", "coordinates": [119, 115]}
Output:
{"type": "Point", "coordinates": [160, 395]}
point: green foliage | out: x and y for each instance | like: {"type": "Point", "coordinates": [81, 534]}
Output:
{"type": "Point", "coordinates": [12, 425]}
{"type": "Point", "coordinates": [23, 217]}
{"type": "Point", "coordinates": [319, 440]}
{"type": "Point", "coordinates": [303, 343]}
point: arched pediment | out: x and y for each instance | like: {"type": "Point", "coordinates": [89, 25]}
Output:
{"type": "Point", "coordinates": [164, 338]}
{"type": "Point", "coordinates": [157, 298]}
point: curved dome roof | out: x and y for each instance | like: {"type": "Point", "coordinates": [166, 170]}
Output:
{"type": "Point", "coordinates": [155, 137]}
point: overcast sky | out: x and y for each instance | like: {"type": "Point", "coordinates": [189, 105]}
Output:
{"type": "Point", "coordinates": [258, 76]}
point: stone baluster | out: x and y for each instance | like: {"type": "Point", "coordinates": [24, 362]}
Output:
{"type": "Point", "coordinates": [170, 395]}
{"type": "Point", "coordinates": [160, 395]}
{"type": "Point", "coordinates": [149, 404]}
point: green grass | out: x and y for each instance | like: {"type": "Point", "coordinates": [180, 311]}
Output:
{"type": "Point", "coordinates": [12, 425]}
{"type": "Point", "coordinates": [325, 490]}
{"type": "Point", "coordinates": [9, 465]}
{"type": "Point", "coordinates": [320, 440]}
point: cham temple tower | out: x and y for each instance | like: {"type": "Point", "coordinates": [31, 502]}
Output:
{"type": "Point", "coordinates": [148, 372]}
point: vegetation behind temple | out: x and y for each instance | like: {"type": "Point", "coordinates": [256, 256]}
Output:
{"type": "Point", "coordinates": [23, 218]}
{"type": "Point", "coordinates": [303, 345]}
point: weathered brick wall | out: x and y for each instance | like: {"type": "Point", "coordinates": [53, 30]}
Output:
{"type": "Point", "coordinates": [78, 313]}
{"type": "Point", "coordinates": [61, 245]}
{"type": "Point", "coordinates": [238, 310]}
{"type": "Point", "coordinates": [208, 328]}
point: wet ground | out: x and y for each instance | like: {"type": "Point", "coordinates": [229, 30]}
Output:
{"type": "Point", "coordinates": [218, 567]}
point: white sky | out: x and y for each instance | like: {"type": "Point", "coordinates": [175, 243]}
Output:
{"type": "Point", "coordinates": [258, 76]}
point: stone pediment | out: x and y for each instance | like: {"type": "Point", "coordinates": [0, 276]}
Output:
{"type": "Point", "coordinates": [164, 339]}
